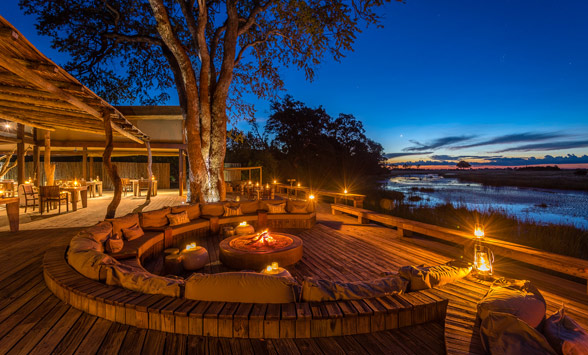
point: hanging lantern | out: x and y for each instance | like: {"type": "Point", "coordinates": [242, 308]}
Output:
{"type": "Point", "coordinates": [479, 231]}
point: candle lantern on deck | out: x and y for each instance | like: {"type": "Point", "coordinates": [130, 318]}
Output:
{"type": "Point", "coordinates": [483, 256]}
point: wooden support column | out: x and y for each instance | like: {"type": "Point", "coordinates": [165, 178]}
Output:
{"type": "Point", "coordinates": [36, 166]}
{"type": "Point", "coordinates": [49, 168]}
{"type": "Point", "coordinates": [149, 171]}
{"type": "Point", "coordinates": [85, 163]}
{"type": "Point", "coordinates": [91, 168]}
{"type": "Point", "coordinates": [111, 168]}
{"type": "Point", "coordinates": [181, 176]}
{"type": "Point", "coordinates": [20, 153]}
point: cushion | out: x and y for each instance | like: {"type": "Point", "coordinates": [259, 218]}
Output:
{"type": "Point", "coordinates": [565, 335]}
{"type": "Point", "coordinates": [504, 333]}
{"type": "Point", "coordinates": [101, 231]}
{"type": "Point", "coordinates": [123, 222]}
{"type": "Point", "coordinates": [276, 208]}
{"type": "Point", "coordinates": [315, 290]}
{"type": "Point", "coordinates": [155, 219]}
{"type": "Point", "coordinates": [114, 244]}
{"type": "Point", "coordinates": [249, 207]}
{"type": "Point", "coordinates": [176, 219]}
{"type": "Point", "coordinates": [193, 210]}
{"type": "Point", "coordinates": [245, 287]}
{"type": "Point", "coordinates": [91, 264]}
{"type": "Point", "coordinates": [212, 209]}
{"type": "Point", "coordinates": [422, 278]}
{"type": "Point", "coordinates": [83, 241]}
{"type": "Point", "coordinates": [232, 210]}
{"type": "Point", "coordinates": [263, 204]}
{"type": "Point", "coordinates": [297, 206]}
{"type": "Point", "coordinates": [133, 232]}
{"type": "Point", "coordinates": [517, 297]}
{"type": "Point", "coordinates": [137, 279]}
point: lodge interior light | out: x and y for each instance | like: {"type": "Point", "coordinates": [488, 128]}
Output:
{"type": "Point", "coordinates": [298, 184]}
{"type": "Point", "coordinates": [311, 197]}
{"type": "Point", "coordinates": [345, 191]}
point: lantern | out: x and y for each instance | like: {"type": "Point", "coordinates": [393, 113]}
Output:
{"type": "Point", "coordinates": [483, 259]}
{"type": "Point", "coordinates": [311, 197]}
{"type": "Point", "coordinates": [479, 231]}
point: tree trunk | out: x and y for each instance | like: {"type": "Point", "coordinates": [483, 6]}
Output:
{"type": "Point", "coordinates": [20, 153]}
{"type": "Point", "coordinates": [111, 168]}
{"type": "Point", "coordinates": [149, 171]}
{"type": "Point", "coordinates": [49, 168]}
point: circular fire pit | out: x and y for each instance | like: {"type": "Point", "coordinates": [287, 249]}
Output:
{"type": "Point", "coordinates": [256, 251]}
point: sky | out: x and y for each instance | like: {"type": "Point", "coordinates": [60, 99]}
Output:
{"type": "Point", "coordinates": [499, 83]}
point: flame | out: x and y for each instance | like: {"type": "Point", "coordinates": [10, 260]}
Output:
{"type": "Point", "coordinates": [483, 264]}
{"type": "Point", "coordinates": [345, 191]}
{"type": "Point", "coordinates": [275, 265]}
{"type": "Point", "coordinates": [190, 246]}
{"type": "Point", "coordinates": [275, 182]}
{"type": "Point", "coordinates": [262, 238]}
{"type": "Point", "coordinates": [298, 184]}
{"type": "Point", "coordinates": [76, 182]}
{"type": "Point", "coordinates": [311, 197]}
{"type": "Point", "coordinates": [244, 223]}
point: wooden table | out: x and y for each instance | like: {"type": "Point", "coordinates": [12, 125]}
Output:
{"type": "Point", "coordinates": [95, 187]}
{"type": "Point", "coordinates": [73, 191]}
{"type": "Point", "coordinates": [135, 183]}
{"type": "Point", "coordinates": [12, 211]}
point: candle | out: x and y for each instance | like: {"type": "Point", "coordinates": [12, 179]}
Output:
{"type": "Point", "coordinates": [274, 266]}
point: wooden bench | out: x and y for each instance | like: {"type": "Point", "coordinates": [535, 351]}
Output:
{"type": "Point", "coordinates": [238, 320]}
{"type": "Point", "coordinates": [360, 213]}
{"type": "Point", "coordinates": [560, 263]}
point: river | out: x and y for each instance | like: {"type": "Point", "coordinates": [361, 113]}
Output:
{"type": "Point", "coordinates": [538, 205]}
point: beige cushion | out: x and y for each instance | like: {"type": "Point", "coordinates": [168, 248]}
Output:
{"type": "Point", "coordinates": [155, 219]}
{"type": "Point", "coordinates": [84, 241]}
{"type": "Point", "coordinates": [565, 335]}
{"type": "Point", "coordinates": [212, 209]}
{"type": "Point", "coordinates": [91, 264]}
{"type": "Point", "coordinates": [245, 287]}
{"type": "Point", "coordinates": [176, 219]}
{"type": "Point", "coordinates": [132, 232]}
{"type": "Point", "coordinates": [263, 204]}
{"type": "Point", "coordinates": [137, 279]}
{"type": "Point", "coordinates": [276, 208]}
{"type": "Point", "coordinates": [249, 207]}
{"type": "Point", "coordinates": [123, 222]}
{"type": "Point", "coordinates": [193, 210]}
{"type": "Point", "coordinates": [232, 210]}
{"type": "Point", "coordinates": [101, 231]}
{"type": "Point", "coordinates": [421, 277]}
{"type": "Point", "coordinates": [315, 290]}
{"type": "Point", "coordinates": [297, 206]}
{"type": "Point", "coordinates": [518, 298]}
{"type": "Point", "coordinates": [503, 333]}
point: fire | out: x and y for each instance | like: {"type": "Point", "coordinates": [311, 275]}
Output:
{"type": "Point", "coordinates": [244, 223]}
{"type": "Point", "coordinates": [263, 238]}
{"type": "Point", "coordinates": [190, 246]}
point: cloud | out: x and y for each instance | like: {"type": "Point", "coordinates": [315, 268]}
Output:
{"type": "Point", "coordinates": [546, 146]}
{"type": "Point", "coordinates": [514, 138]}
{"type": "Point", "coordinates": [464, 157]}
{"type": "Point", "coordinates": [397, 155]}
{"type": "Point", "coordinates": [505, 161]}
{"type": "Point", "coordinates": [437, 143]}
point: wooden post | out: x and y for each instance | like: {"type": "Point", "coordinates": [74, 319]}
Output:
{"type": "Point", "coordinates": [85, 163]}
{"type": "Point", "coordinates": [49, 168]}
{"type": "Point", "coordinates": [260, 176]}
{"type": "Point", "coordinates": [111, 168]}
{"type": "Point", "coordinates": [149, 171]}
{"type": "Point", "coordinates": [36, 166]}
{"type": "Point", "coordinates": [20, 153]}
{"type": "Point", "coordinates": [91, 167]}
{"type": "Point", "coordinates": [181, 175]}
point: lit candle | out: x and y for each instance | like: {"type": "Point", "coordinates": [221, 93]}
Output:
{"type": "Point", "coordinates": [298, 184]}
{"type": "Point", "coordinates": [190, 246]}
{"type": "Point", "coordinates": [274, 266]}
{"type": "Point", "coordinates": [275, 182]}
{"type": "Point", "coordinates": [244, 223]}
{"type": "Point", "coordinates": [478, 231]}
{"type": "Point", "coordinates": [345, 191]}
{"type": "Point", "coordinates": [268, 268]}
{"type": "Point", "coordinates": [311, 197]}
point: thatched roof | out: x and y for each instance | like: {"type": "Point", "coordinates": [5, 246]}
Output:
{"type": "Point", "coordinates": [36, 92]}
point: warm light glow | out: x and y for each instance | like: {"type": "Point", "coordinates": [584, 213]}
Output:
{"type": "Point", "coordinates": [263, 238]}
{"type": "Point", "coordinates": [311, 197]}
{"type": "Point", "coordinates": [478, 231]}
{"type": "Point", "coordinates": [190, 246]}
{"type": "Point", "coordinates": [268, 268]}
{"type": "Point", "coordinates": [298, 184]}
{"type": "Point", "coordinates": [256, 184]}
{"type": "Point", "coordinates": [244, 223]}
{"type": "Point", "coordinates": [153, 177]}
{"type": "Point", "coordinates": [250, 182]}
{"type": "Point", "coordinates": [275, 182]}
{"type": "Point", "coordinates": [267, 186]}
{"type": "Point", "coordinates": [75, 182]}
{"type": "Point", "coordinates": [275, 265]}
{"type": "Point", "coordinates": [482, 262]}
{"type": "Point", "coordinates": [345, 191]}
{"type": "Point", "coordinates": [7, 125]}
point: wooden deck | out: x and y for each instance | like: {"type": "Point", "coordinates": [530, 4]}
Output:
{"type": "Point", "coordinates": [33, 320]}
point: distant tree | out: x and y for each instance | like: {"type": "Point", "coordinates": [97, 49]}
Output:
{"type": "Point", "coordinates": [463, 165]}
{"type": "Point", "coordinates": [213, 52]}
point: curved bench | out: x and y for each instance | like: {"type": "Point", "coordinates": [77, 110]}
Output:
{"type": "Point", "coordinates": [239, 320]}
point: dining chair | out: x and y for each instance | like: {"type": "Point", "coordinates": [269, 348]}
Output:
{"type": "Point", "coordinates": [51, 194]}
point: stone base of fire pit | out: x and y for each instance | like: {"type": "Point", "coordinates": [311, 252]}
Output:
{"type": "Point", "coordinates": [257, 260]}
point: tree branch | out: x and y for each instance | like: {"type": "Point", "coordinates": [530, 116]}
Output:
{"type": "Point", "coordinates": [251, 19]}
{"type": "Point", "coordinates": [254, 43]}
{"type": "Point", "coordinates": [119, 37]}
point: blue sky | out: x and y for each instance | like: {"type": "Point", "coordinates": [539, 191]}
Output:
{"type": "Point", "coordinates": [452, 79]}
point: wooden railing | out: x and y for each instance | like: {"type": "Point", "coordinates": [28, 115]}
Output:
{"type": "Point", "coordinates": [560, 263]}
{"type": "Point", "coordinates": [357, 199]}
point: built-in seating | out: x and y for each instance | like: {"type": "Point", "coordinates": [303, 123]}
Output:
{"type": "Point", "coordinates": [116, 286]}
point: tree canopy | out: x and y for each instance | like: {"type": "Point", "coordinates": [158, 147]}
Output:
{"type": "Point", "coordinates": [212, 52]}
{"type": "Point", "coordinates": [463, 165]}
{"type": "Point", "coordinates": [311, 146]}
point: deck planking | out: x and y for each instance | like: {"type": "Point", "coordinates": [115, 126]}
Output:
{"type": "Point", "coordinates": [32, 320]}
